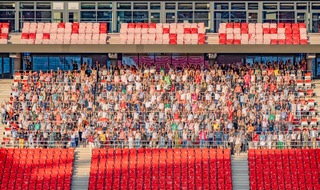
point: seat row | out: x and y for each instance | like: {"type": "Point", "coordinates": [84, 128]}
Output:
{"type": "Point", "coordinates": [262, 33]}
{"type": "Point", "coordinates": [160, 169]}
{"type": "Point", "coordinates": [284, 169]}
{"type": "Point", "coordinates": [65, 28]}
{"type": "Point", "coordinates": [162, 33]}
{"type": "Point", "coordinates": [162, 38]}
{"type": "Point", "coordinates": [64, 33]}
{"type": "Point", "coordinates": [4, 30]}
{"type": "Point", "coordinates": [46, 38]}
{"type": "Point", "coordinates": [36, 168]}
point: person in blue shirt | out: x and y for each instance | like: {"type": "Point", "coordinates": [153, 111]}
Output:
{"type": "Point", "coordinates": [262, 139]}
{"type": "Point", "coordinates": [225, 139]}
{"type": "Point", "coordinates": [109, 87]}
{"type": "Point", "coordinates": [219, 137]}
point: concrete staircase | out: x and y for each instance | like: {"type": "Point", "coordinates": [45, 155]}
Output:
{"type": "Point", "coordinates": [5, 93]}
{"type": "Point", "coordinates": [212, 38]}
{"type": "Point", "coordinates": [14, 38]}
{"type": "Point", "coordinates": [317, 98]}
{"type": "Point", "coordinates": [81, 169]}
{"type": "Point", "coordinates": [240, 172]}
{"type": "Point", "coordinates": [314, 38]}
{"type": "Point", "coordinates": [114, 38]}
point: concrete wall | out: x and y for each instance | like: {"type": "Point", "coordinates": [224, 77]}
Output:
{"type": "Point", "coordinates": [125, 48]}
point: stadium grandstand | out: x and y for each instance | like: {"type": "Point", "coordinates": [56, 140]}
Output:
{"type": "Point", "coordinates": [183, 95]}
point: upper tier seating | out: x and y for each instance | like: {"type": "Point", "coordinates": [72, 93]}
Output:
{"type": "Point", "coordinates": [64, 33]}
{"type": "Point", "coordinates": [36, 168]}
{"type": "Point", "coordinates": [4, 30]}
{"type": "Point", "coordinates": [263, 33]}
{"type": "Point", "coordinates": [174, 33]}
{"type": "Point", "coordinates": [160, 169]}
{"type": "Point", "coordinates": [284, 169]}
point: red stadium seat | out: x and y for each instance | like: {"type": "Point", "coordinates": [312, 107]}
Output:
{"type": "Point", "coordinates": [34, 168]}
{"type": "Point", "coordinates": [64, 33]}
{"type": "Point", "coordinates": [262, 33]}
{"type": "Point", "coordinates": [161, 169]}
{"type": "Point", "coordinates": [289, 169]}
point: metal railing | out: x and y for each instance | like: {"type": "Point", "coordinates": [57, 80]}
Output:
{"type": "Point", "coordinates": [25, 143]}
{"type": "Point", "coordinates": [285, 144]}
{"type": "Point", "coordinates": [175, 143]}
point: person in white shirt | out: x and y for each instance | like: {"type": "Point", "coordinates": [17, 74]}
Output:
{"type": "Point", "coordinates": [238, 144]}
{"type": "Point", "coordinates": [154, 139]}
{"type": "Point", "coordinates": [3, 115]}
{"type": "Point", "coordinates": [184, 138]}
{"type": "Point", "coordinates": [314, 136]}
{"type": "Point", "coordinates": [280, 140]}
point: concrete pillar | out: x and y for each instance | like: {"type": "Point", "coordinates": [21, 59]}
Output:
{"type": "Point", "coordinates": [17, 63]}
{"type": "Point", "coordinates": [309, 64]}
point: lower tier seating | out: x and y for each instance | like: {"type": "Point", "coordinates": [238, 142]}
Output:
{"type": "Point", "coordinates": [160, 169]}
{"type": "Point", "coordinates": [292, 169]}
{"type": "Point", "coordinates": [36, 168]}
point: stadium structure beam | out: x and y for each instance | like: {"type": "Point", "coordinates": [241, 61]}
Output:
{"type": "Point", "coordinates": [121, 48]}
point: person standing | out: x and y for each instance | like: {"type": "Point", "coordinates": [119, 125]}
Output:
{"type": "Point", "coordinates": [73, 139]}
{"type": "Point", "coordinates": [281, 140]}
{"type": "Point", "coordinates": [76, 134]}
{"type": "Point", "coordinates": [130, 139]}
{"type": "Point", "coordinates": [84, 138]}
{"type": "Point", "coordinates": [238, 144]}
{"type": "Point", "coordinates": [299, 139]}
{"type": "Point", "coordinates": [293, 139]}
{"type": "Point", "coordinates": [305, 137]}
{"type": "Point", "coordinates": [75, 66]}
{"type": "Point", "coordinates": [184, 138]}
{"type": "Point", "coordinates": [203, 138]}
{"type": "Point", "coordinates": [3, 114]}
{"type": "Point", "coordinates": [314, 136]}
{"type": "Point", "coordinates": [231, 144]}
{"type": "Point", "coordinates": [137, 138]}
{"type": "Point", "coordinates": [268, 140]}
{"type": "Point", "coordinates": [91, 142]}
{"type": "Point", "coordinates": [288, 140]}
{"type": "Point", "coordinates": [21, 139]}
{"type": "Point", "coordinates": [262, 139]}
{"type": "Point", "coordinates": [170, 139]}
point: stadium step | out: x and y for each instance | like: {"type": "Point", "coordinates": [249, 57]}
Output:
{"type": "Point", "coordinates": [81, 168]}
{"type": "Point", "coordinates": [317, 99]}
{"type": "Point", "coordinates": [212, 38]}
{"type": "Point", "coordinates": [240, 172]}
{"type": "Point", "coordinates": [114, 39]}
{"type": "Point", "coordinates": [314, 38]}
{"type": "Point", "coordinates": [5, 93]}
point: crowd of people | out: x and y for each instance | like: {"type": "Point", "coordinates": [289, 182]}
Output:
{"type": "Point", "coordinates": [175, 106]}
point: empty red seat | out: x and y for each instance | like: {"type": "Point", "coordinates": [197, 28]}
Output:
{"type": "Point", "coordinates": [26, 167]}
{"type": "Point", "coordinates": [288, 169]}
{"type": "Point", "coordinates": [161, 169]}
{"type": "Point", "coordinates": [61, 25]}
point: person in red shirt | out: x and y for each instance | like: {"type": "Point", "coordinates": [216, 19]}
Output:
{"type": "Point", "coordinates": [90, 140]}
{"type": "Point", "coordinates": [238, 89]}
{"type": "Point", "coordinates": [255, 140]}
{"type": "Point", "coordinates": [273, 87]}
{"type": "Point", "coordinates": [270, 71]}
{"type": "Point", "coordinates": [202, 137]}
{"type": "Point", "coordinates": [176, 116]}
{"type": "Point", "coordinates": [198, 79]}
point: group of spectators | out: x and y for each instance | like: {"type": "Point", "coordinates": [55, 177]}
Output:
{"type": "Point", "coordinates": [222, 105]}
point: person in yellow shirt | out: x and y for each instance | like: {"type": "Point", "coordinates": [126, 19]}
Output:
{"type": "Point", "coordinates": [102, 138]}
{"type": "Point", "coordinates": [250, 128]}
{"type": "Point", "coordinates": [215, 126]}
{"type": "Point", "coordinates": [276, 71]}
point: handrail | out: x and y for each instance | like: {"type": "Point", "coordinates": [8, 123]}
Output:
{"type": "Point", "coordinates": [159, 143]}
